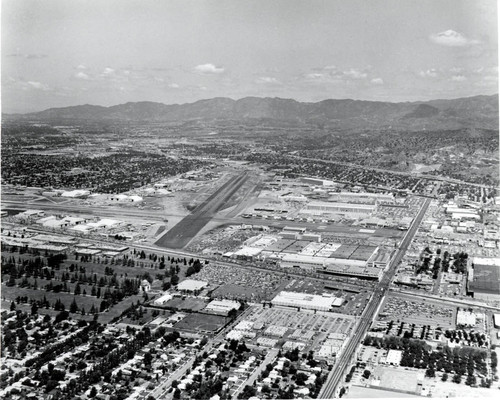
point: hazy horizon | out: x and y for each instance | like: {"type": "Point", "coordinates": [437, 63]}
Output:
{"type": "Point", "coordinates": [240, 98]}
{"type": "Point", "coordinates": [57, 53]}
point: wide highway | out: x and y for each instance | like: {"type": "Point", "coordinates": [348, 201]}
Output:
{"type": "Point", "coordinates": [329, 389]}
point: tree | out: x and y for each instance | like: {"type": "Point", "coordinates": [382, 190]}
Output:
{"type": "Point", "coordinates": [457, 378]}
{"type": "Point", "coordinates": [471, 380]}
{"type": "Point", "coordinates": [174, 280]}
{"type": "Point", "coordinates": [430, 373]}
{"type": "Point", "coordinates": [148, 358]}
{"type": "Point", "coordinates": [73, 308]}
{"type": "Point", "coordinates": [366, 374]}
{"type": "Point", "coordinates": [93, 392]}
{"type": "Point", "coordinates": [444, 378]}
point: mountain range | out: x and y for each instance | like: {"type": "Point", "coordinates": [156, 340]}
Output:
{"type": "Point", "coordinates": [477, 112]}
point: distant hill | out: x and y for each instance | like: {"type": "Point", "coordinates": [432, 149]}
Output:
{"type": "Point", "coordinates": [477, 112]}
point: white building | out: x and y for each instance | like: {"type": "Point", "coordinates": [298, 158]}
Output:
{"type": "Point", "coordinates": [362, 197]}
{"type": "Point", "coordinates": [323, 207]}
{"type": "Point", "coordinates": [160, 301]}
{"type": "Point", "coordinates": [466, 318]}
{"type": "Point", "coordinates": [191, 285]}
{"type": "Point", "coordinates": [306, 301]}
{"type": "Point", "coordinates": [222, 307]}
{"type": "Point", "coordinates": [75, 193]}
{"type": "Point", "coordinates": [394, 357]}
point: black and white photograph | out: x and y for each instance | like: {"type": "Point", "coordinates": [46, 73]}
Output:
{"type": "Point", "coordinates": [249, 199]}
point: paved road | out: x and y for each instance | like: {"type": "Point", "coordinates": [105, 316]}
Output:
{"type": "Point", "coordinates": [329, 389]}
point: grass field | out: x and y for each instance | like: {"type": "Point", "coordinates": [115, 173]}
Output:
{"type": "Point", "coordinates": [190, 303]}
{"type": "Point", "coordinates": [10, 293]}
{"type": "Point", "coordinates": [201, 323]}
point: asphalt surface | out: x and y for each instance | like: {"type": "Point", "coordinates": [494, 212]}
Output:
{"type": "Point", "coordinates": [151, 215]}
{"type": "Point", "coordinates": [335, 377]}
{"type": "Point", "coordinates": [182, 233]}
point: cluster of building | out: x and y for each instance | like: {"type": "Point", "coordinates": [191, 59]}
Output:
{"type": "Point", "coordinates": [348, 204]}
{"type": "Point", "coordinates": [52, 244]}
{"type": "Point", "coordinates": [294, 248]}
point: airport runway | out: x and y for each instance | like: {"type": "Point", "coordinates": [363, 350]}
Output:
{"type": "Point", "coordinates": [182, 233]}
{"type": "Point", "coordinates": [329, 389]}
{"type": "Point", "coordinates": [160, 216]}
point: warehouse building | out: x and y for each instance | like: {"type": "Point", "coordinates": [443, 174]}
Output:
{"type": "Point", "coordinates": [365, 198]}
{"type": "Point", "coordinates": [496, 320]}
{"type": "Point", "coordinates": [191, 285]}
{"type": "Point", "coordinates": [162, 300]}
{"type": "Point", "coordinates": [222, 307]}
{"type": "Point", "coordinates": [483, 280]}
{"type": "Point", "coordinates": [324, 207]}
{"type": "Point", "coordinates": [306, 301]}
{"type": "Point", "coordinates": [317, 181]}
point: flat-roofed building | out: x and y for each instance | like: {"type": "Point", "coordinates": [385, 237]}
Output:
{"type": "Point", "coordinates": [247, 253]}
{"type": "Point", "coordinates": [363, 197]}
{"type": "Point", "coordinates": [162, 300]}
{"type": "Point", "coordinates": [316, 181]}
{"type": "Point", "coordinates": [394, 357]}
{"type": "Point", "coordinates": [30, 215]}
{"type": "Point", "coordinates": [496, 320]}
{"type": "Point", "coordinates": [379, 260]}
{"type": "Point", "coordinates": [75, 193]}
{"type": "Point", "coordinates": [301, 261]}
{"type": "Point", "coordinates": [323, 207]}
{"type": "Point", "coordinates": [222, 307]}
{"type": "Point", "coordinates": [349, 268]}
{"type": "Point", "coordinates": [191, 285]}
{"type": "Point", "coordinates": [306, 301]}
{"type": "Point", "coordinates": [466, 318]}
{"type": "Point", "coordinates": [483, 280]}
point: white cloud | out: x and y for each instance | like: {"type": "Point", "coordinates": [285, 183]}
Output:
{"type": "Point", "coordinates": [81, 66]}
{"type": "Point", "coordinates": [458, 78]}
{"type": "Point", "coordinates": [267, 80]}
{"type": "Point", "coordinates": [209, 69]}
{"type": "Point", "coordinates": [39, 86]}
{"type": "Point", "coordinates": [108, 71]}
{"type": "Point", "coordinates": [452, 39]}
{"type": "Point", "coordinates": [28, 56]}
{"type": "Point", "coordinates": [315, 75]}
{"type": "Point", "coordinates": [355, 74]}
{"type": "Point", "coordinates": [377, 81]}
{"type": "Point", "coordinates": [82, 75]}
{"type": "Point", "coordinates": [173, 85]}
{"type": "Point", "coordinates": [430, 73]}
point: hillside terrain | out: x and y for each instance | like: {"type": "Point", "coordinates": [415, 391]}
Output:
{"type": "Point", "coordinates": [477, 112]}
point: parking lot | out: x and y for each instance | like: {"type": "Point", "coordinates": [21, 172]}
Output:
{"type": "Point", "coordinates": [422, 313]}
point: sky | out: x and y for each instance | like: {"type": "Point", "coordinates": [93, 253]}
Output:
{"type": "Point", "coordinates": [57, 53]}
